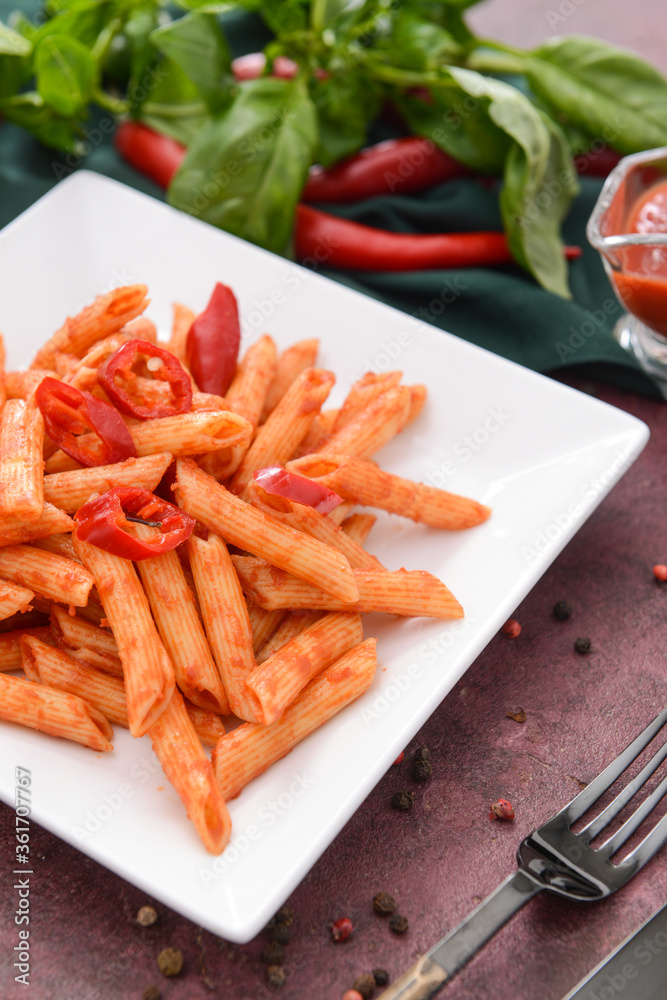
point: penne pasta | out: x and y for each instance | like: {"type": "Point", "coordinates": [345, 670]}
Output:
{"type": "Point", "coordinates": [21, 464]}
{"type": "Point", "coordinates": [358, 526]}
{"type": "Point", "coordinates": [107, 314]}
{"type": "Point", "coordinates": [10, 646]}
{"type": "Point", "coordinates": [85, 642]}
{"type": "Point", "coordinates": [189, 770]}
{"type": "Point", "coordinates": [276, 682]}
{"type": "Point", "coordinates": [173, 605]}
{"type": "Point", "coordinates": [247, 393]}
{"type": "Point", "coordinates": [244, 753]}
{"type": "Point", "coordinates": [52, 576]}
{"type": "Point", "coordinates": [208, 726]}
{"type": "Point", "coordinates": [285, 428]}
{"type": "Point", "coordinates": [241, 525]}
{"type": "Point", "coordinates": [374, 426]}
{"type": "Point", "coordinates": [366, 484]}
{"type": "Point", "coordinates": [364, 392]}
{"type": "Point", "coordinates": [70, 490]}
{"type": "Point", "coordinates": [22, 385]}
{"type": "Point", "coordinates": [53, 712]}
{"type": "Point", "coordinates": [318, 433]}
{"type": "Point", "coordinates": [225, 619]}
{"type": "Point", "coordinates": [149, 675]}
{"type": "Point", "coordinates": [292, 624]}
{"type": "Point", "coordinates": [183, 318]}
{"type": "Point", "coordinates": [52, 521]}
{"type": "Point", "coordinates": [61, 545]}
{"type": "Point", "coordinates": [22, 620]}
{"type": "Point", "coordinates": [412, 593]}
{"type": "Point", "coordinates": [263, 624]}
{"type": "Point", "coordinates": [289, 366]}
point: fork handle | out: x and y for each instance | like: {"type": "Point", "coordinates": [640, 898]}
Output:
{"type": "Point", "coordinates": [444, 960]}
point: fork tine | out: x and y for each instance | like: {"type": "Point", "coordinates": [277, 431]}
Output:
{"type": "Point", "coordinates": [633, 822]}
{"type": "Point", "coordinates": [585, 799]}
{"type": "Point", "coordinates": [649, 846]}
{"type": "Point", "coordinates": [613, 809]}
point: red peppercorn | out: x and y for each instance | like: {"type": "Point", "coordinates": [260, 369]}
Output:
{"type": "Point", "coordinates": [511, 628]}
{"type": "Point", "coordinates": [399, 759]}
{"type": "Point", "coordinates": [341, 929]}
{"type": "Point", "coordinates": [352, 995]}
{"type": "Point", "coordinates": [660, 572]}
{"type": "Point", "coordinates": [502, 809]}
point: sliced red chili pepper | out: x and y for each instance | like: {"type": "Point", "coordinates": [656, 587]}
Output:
{"type": "Point", "coordinates": [69, 412]}
{"type": "Point", "coordinates": [276, 480]}
{"type": "Point", "coordinates": [116, 374]}
{"type": "Point", "coordinates": [397, 166]}
{"type": "Point", "coordinates": [104, 522]}
{"type": "Point", "coordinates": [213, 342]}
{"type": "Point", "coordinates": [322, 239]}
{"type": "Point", "coordinates": [155, 155]}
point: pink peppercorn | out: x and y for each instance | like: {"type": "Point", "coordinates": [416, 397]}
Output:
{"type": "Point", "coordinates": [341, 929]}
{"type": "Point", "coordinates": [660, 572]}
{"type": "Point", "coordinates": [502, 809]}
{"type": "Point", "coordinates": [352, 995]}
{"type": "Point", "coordinates": [399, 759]}
{"type": "Point", "coordinates": [511, 628]}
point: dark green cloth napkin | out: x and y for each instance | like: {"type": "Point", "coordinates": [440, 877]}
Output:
{"type": "Point", "coordinates": [501, 309]}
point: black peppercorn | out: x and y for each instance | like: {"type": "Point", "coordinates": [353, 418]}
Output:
{"type": "Point", "coordinates": [384, 904]}
{"type": "Point", "coordinates": [365, 985]}
{"type": "Point", "coordinates": [381, 977]}
{"type": "Point", "coordinates": [582, 645]}
{"type": "Point", "coordinates": [422, 770]}
{"type": "Point", "coordinates": [562, 611]}
{"type": "Point", "coordinates": [275, 977]}
{"type": "Point", "coordinates": [281, 933]}
{"type": "Point", "coordinates": [284, 916]}
{"type": "Point", "coordinates": [151, 993]}
{"type": "Point", "coordinates": [403, 800]}
{"type": "Point", "coordinates": [170, 961]}
{"type": "Point", "coordinates": [273, 954]}
{"type": "Point", "coordinates": [422, 753]}
{"type": "Point", "coordinates": [398, 925]}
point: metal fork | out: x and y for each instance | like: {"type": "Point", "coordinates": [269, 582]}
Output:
{"type": "Point", "coordinates": [558, 860]}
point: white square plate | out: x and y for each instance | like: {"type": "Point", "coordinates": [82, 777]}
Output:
{"type": "Point", "coordinates": [542, 455]}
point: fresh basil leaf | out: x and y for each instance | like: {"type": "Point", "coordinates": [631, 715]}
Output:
{"type": "Point", "coordinates": [281, 16]}
{"type": "Point", "coordinates": [346, 103]}
{"type": "Point", "coordinates": [245, 170]}
{"type": "Point", "coordinates": [539, 178]}
{"type": "Point", "coordinates": [141, 51]}
{"type": "Point", "coordinates": [65, 74]}
{"type": "Point", "coordinates": [13, 44]}
{"type": "Point", "coordinates": [197, 44]}
{"type": "Point", "coordinates": [83, 21]}
{"type": "Point", "coordinates": [419, 44]}
{"type": "Point", "coordinates": [15, 61]}
{"type": "Point", "coordinates": [609, 92]}
{"type": "Point", "coordinates": [30, 111]}
{"type": "Point", "coordinates": [166, 101]}
{"type": "Point", "coordinates": [459, 124]}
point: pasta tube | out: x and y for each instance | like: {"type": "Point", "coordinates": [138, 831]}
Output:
{"type": "Point", "coordinates": [53, 712]}
{"type": "Point", "coordinates": [21, 464]}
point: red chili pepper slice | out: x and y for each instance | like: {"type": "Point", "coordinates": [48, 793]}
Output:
{"type": "Point", "coordinates": [104, 522]}
{"type": "Point", "coordinates": [276, 480]}
{"type": "Point", "coordinates": [69, 412]}
{"type": "Point", "coordinates": [213, 342]}
{"type": "Point", "coordinates": [119, 366]}
{"type": "Point", "coordinates": [155, 155]}
{"type": "Point", "coordinates": [399, 166]}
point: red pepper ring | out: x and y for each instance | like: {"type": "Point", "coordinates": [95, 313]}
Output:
{"type": "Point", "coordinates": [68, 412]}
{"type": "Point", "coordinates": [276, 480]}
{"type": "Point", "coordinates": [119, 366]}
{"type": "Point", "coordinates": [103, 522]}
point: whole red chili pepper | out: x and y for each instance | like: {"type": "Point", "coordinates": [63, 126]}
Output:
{"type": "Point", "coordinates": [104, 522]}
{"type": "Point", "coordinates": [328, 239]}
{"type": "Point", "coordinates": [69, 412]}
{"type": "Point", "coordinates": [118, 366]}
{"type": "Point", "coordinates": [213, 342]}
{"type": "Point", "coordinates": [399, 165]}
{"type": "Point", "coordinates": [155, 155]}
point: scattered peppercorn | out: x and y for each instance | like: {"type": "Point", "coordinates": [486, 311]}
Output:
{"type": "Point", "coordinates": [151, 993]}
{"type": "Point", "coordinates": [341, 929]}
{"type": "Point", "coordinates": [660, 572]}
{"type": "Point", "coordinates": [365, 985]}
{"type": "Point", "coordinates": [146, 916]}
{"type": "Point", "coordinates": [275, 977]}
{"type": "Point", "coordinates": [511, 628]}
{"type": "Point", "coordinates": [582, 645]}
{"type": "Point", "coordinates": [399, 759]}
{"type": "Point", "coordinates": [422, 770]}
{"type": "Point", "coordinates": [170, 962]}
{"type": "Point", "coordinates": [502, 809]}
{"type": "Point", "coordinates": [422, 753]}
{"type": "Point", "coordinates": [281, 933]}
{"type": "Point", "coordinates": [403, 800]}
{"type": "Point", "coordinates": [352, 995]}
{"type": "Point", "coordinates": [384, 904]}
{"type": "Point", "coordinates": [562, 611]}
{"type": "Point", "coordinates": [398, 925]}
{"type": "Point", "coordinates": [518, 716]}
{"type": "Point", "coordinates": [381, 977]}
{"type": "Point", "coordinates": [284, 916]}
{"type": "Point", "coordinates": [274, 953]}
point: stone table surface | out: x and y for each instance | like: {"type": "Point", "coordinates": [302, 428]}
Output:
{"type": "Point", "coordinates": [440, 858]}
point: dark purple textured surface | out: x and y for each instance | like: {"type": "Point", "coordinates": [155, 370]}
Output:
{"type": "Point", "coordinates": [440, 858]}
